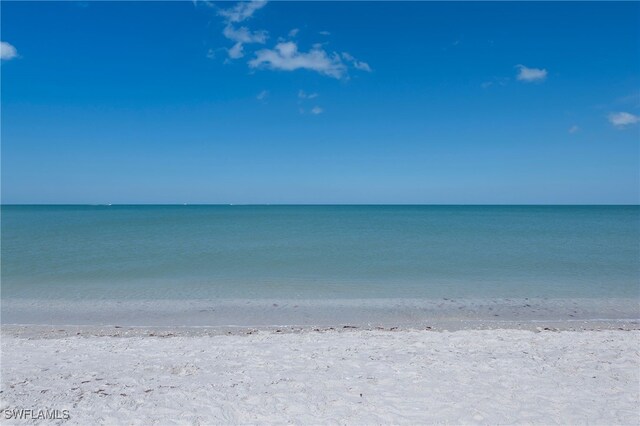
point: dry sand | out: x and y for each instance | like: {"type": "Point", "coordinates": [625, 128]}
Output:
{"type": "Point", "coordinates": [354, 377]}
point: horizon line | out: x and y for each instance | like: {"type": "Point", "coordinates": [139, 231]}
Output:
{"type": "Point", "coordinates": [315, 204]}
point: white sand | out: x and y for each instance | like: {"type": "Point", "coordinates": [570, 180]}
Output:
{"type": "Point", "coordinates": [355, 377]}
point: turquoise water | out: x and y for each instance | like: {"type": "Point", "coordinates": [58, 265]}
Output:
{"type": "Point", "coordinates": [253, 253]}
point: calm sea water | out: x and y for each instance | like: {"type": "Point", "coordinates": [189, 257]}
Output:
{"type": "Point", "coordinates": [253, 253]}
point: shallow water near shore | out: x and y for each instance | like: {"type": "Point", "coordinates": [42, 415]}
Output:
{"type": "Point", "coordinates": [305, 265]}
{"type": "Point", "coordinates": [411, 313]}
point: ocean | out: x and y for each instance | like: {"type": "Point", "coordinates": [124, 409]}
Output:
{"type": "Point", "coordinates": [260, 264]}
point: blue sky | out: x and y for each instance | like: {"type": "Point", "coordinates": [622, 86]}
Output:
{"type": "Point", "coordinates": [320, 102]}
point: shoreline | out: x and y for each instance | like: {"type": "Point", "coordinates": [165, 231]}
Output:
{"type": "Point", "coordinates": [116, 330]}
{"type": "Point", "coordinates": [444, 313]}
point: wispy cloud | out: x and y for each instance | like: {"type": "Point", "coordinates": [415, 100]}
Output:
{"type": "Point", "coordinates": [304, 95]}
{"type": "Point", "coordinates": [531, 75]}
{"type": "Point", "coordinates": [324, 33]}
{"type": "Point", "coordinates": [7, 51]}
{"type": "Point", "coordinates": [359, 65]}
{"type": "Point", "coordinates": [623, 119]}
{"type": "Point", "coordinates": [574, 129]}
{"type": "Point", "coordinates": [305, 98]}
{"type": "Point", "coordinates": [286, 56]}
{"type": "Point", "coordinates": [236, 51]}
{"type": "Point", "coordinates": [242, 35]}
{"type": "Point", "coordinates": [204, 2]}
{"type": "Point", "coordinates": [262, 95]}
{"type": "Point", "coordinates": [500, 81]}
{"type": "Point", "coordinates": [362, 66]}
{"type": "Point", "coordinates": [242, 10]}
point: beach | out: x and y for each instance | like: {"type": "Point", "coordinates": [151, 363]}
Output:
{"type": "Point", "coordinates": [320, 213]}
{"type": "Point", "coordinates": [333, 375]}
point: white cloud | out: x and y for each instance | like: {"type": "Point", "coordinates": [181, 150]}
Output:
{"type": "Point", "coordinates": [7, 51]}
{"type": "Point", "coordinates": [303, 95]}
{"type": "Point", "coordinates": [243, 35]}
{"type": "Point", "coordinates": [324, 33]}
{"type": "Point", "coordinates": [205, 2]}
{"type": "Point", "coordinates": [242, 10]}
{"type": "Point", "coordinates": [623, 119]}
{"type": "Point", "coordinates": [263, 95]}
{"type": "Point", "coordinates": [531, 74]}
{"type": "Point", "coordinates": [285, 56]}
{"type": "Point", "coordinates": [237, 51]}
{"type": "Point", "coordinates": [316, 110]}
{"type": "Point", "coordinates": [359, 65]}
{"type": "Point", "coordinates": [362, 66]}
{"type": "Point", "coordinates": [574, 129]}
